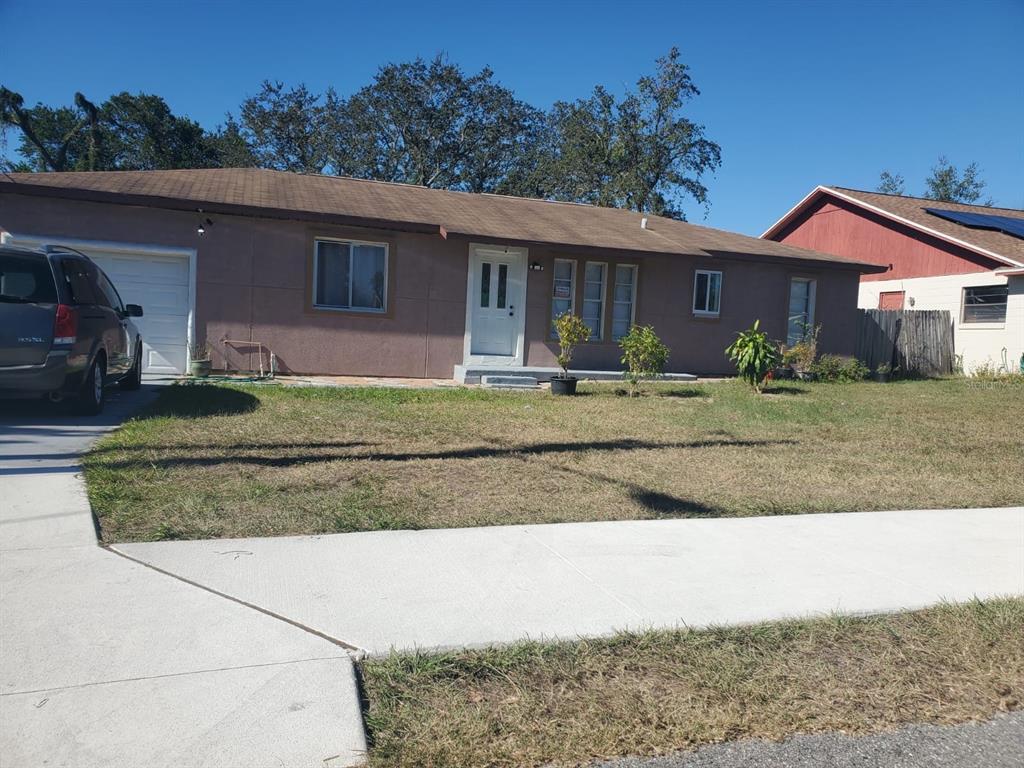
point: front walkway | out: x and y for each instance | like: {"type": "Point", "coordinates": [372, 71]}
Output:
{"type": "Point", "coordinates": [445, 588]}
{"type": "Point", "coordinates": [108, 663]}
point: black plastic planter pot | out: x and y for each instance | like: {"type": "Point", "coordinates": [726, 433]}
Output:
{"type": "Point", "coordinates": [560, 386]}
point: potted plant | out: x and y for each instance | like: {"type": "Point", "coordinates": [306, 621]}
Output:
{"type": "Point", "coordinates": [882, 372]}
{"type": "Point", "coordinates": [784, 366]}
{"type": "Point", "coordinates": [803, 354]}
{"type": "Point", "coordinates": [754, 355]}
{"type": "Point", "coordinates": [571, 331]}
{"type": "Point", "coordinates": [199, 364]}
{"type": "Point", "coordinates": [644, 355]}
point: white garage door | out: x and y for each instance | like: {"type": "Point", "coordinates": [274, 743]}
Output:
{"type": "Point", "coordinates": [158, 280]}
{"type": "Point", "coordinates": [160, 285]}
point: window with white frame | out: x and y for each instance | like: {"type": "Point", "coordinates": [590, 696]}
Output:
{"type": "Point", "coordinates": [985, 304]}
{"type": "Point", "coordinates": [563, 289]}
{"type": "Point", "coordinates": [593, 298]}
{"type": "Point", "coordinates": [350, 275]}
{"type": "Point", "coordinates": [801, 309]}
{"type": "Point", "coordinates": [707, 292]}
{"type": "Point", "coordinates": [623, 300]}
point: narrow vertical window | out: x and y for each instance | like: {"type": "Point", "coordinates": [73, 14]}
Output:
{"type": "Point", "coordinates": [707, 292]}
{"type": "Point", "coordinates": [593, 298]}
{"type": "Point", "coordinates": [623, 300]}
{"type": "Point", "coordinates": [502, 285]}
{"type": "Point", "coordinates": [563, 289]}
{"type": "Point", "coordinates": [801, 309]}
{"type": "Point", "coordinates": [485, 284]}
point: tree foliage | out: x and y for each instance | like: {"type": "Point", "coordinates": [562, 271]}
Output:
{"type": "Point", "coordinates": [126, 132]}
{"type": "Point", "coordinates": [287, 128]}
{"type": "Point", "coordinates": [638, 152]}
{"type": "Point", "coordinates": [428, 123]}
{"type": "Point", "coordinates": [423, 122]}
{"type": "Point", "coordinates": [890, 183]}
{"type": "Point", "coordinates": [951, 185]}
{"type": "Point", "coordinates": [947, 183]}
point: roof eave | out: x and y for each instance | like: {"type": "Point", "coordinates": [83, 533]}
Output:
{"type": "Point", "coordinates": [178, 204]}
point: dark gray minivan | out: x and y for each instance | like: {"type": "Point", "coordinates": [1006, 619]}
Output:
{"type": "Point", "coordinates": [64, 331]}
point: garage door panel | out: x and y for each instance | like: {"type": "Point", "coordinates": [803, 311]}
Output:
{"type": "Point", "coordinates": [143, 268]}
{"type": "Point", "coordinates": [163, 358]}
{"type": "Point", "coordinates": [160, 329]}
{"type": "Point", "coordinates": [165, 300]}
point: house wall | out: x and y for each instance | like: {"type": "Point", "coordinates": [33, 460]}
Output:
{"type": "Point", "coordinates": [254, 276]}
{"type": "Point", "coordinates": [750, 291]}
{"type": "Point", "coordinates": [840, 228]}
{"type": "Point", "coordinates": [978, 343]}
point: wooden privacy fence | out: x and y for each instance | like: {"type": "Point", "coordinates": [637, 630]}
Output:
{"type": "Point", "coordinates": [918, 341]}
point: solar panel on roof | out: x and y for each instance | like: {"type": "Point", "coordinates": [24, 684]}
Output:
{"type": "Point", "coordinates": [1007, 224]}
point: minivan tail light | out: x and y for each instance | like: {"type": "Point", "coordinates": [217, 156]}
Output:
{"type": "Point", "coordinates": [65, 325]}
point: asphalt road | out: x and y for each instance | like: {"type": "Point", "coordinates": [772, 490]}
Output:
{"type": "Point", "coordinates": [998, 743]}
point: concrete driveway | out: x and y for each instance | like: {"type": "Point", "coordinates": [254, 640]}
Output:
{"type": "Point", "coordinates": [110, 663]}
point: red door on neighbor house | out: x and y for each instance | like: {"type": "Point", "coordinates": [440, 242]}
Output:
{"type": "Point", "coordinates": [891, 299]}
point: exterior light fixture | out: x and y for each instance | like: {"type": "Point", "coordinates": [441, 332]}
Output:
{"type": "Point", "coordinates": [203, 223]}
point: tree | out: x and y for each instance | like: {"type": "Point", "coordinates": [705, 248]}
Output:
{"type": "Point", "coordinates": [53, 139]}
{"type": "Point", "coordinates": [949, 184]}
{"type": "Point", "coordinates": [287, 128]}
{"type": "Point", "coordinates": [126, 132]}
{"type": "Point", "coordinates": [639, 152]}
{"type": "Point", "coordinates": [429, 123]}
{"type": "Point", "coordinates": [890, 183]}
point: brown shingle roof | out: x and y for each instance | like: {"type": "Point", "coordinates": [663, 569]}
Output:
{"type": "Point", "coordinates": [912, 211]}
{"type": "Point", "coordinates": [254, 191]}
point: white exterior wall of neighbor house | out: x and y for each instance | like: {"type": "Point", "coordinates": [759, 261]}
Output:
{"type": "Point", "coordinates": [978, 343]}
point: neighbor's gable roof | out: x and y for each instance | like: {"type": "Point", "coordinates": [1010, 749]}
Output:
{"type": "Point", "coordinates": [260, 192]}
{"type": "Point", "coordinates": [911, 212]}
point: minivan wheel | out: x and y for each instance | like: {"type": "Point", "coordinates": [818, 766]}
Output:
{"type": "Point", "coordinates": [90, 397]}
{"type": "Point", "coordinates": [133, 379]}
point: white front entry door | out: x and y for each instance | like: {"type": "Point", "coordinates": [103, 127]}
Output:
{"type": "Point", "coordinates": [497, 308]}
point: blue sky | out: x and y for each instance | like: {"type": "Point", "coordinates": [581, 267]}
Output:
{"type": "Point", "coordinates": [796, 93]}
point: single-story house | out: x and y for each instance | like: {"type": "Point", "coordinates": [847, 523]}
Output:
{"type": "Point", "coordinates": [344, 276]}
{"type": "Point", "coordinates": [967, 259]}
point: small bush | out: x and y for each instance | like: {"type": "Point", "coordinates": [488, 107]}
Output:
{"type": "Point", "coordinates": [571, 331]}
{"type": "Point", "coordinates": [644, 355]}
{"type": "Point", "coordinates": [839, 368]}
{"type": "Point", "coordinates": [754, 355]}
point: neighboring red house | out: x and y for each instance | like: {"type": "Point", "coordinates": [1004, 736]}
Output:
{"type": "Point", "coordinates": [967, 259]}
{"type": "Point", "coordinates": [344, 276]}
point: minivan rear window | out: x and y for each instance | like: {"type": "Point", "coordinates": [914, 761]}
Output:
{"type": "Point", "coordinates": [26, 278]}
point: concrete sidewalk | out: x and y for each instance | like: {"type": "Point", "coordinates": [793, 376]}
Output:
{"type": "Point", "coordinates": [464, 587]}
{"type": "Point", "coordinates": [108, 663]}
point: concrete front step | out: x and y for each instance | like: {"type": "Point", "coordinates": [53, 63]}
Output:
{"type": "Point", "coordinates": [474, 374]}
{"type": "Point", "coordinates": [509, 382]}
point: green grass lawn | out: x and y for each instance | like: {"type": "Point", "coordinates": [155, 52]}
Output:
{"type": "Point", "coordinates": [534, 704]}
{"type": "Point", "coordinates": [214, 461]}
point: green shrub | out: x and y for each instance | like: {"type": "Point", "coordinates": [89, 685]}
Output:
{"type": "Point", "coordinates": [644, 355]}
{"type": "Point", "coordinates": [839, 368]}
{"type": "Point", "coordinates": [571, 331]}
{"type": "Point", "coordinates": [754, 355]}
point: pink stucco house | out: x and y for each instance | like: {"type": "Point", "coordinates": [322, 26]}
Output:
{"type": "Point", "coordinates": [344, 276]}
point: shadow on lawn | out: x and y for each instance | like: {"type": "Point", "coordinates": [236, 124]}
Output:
{"type": "Point", "coordinates": [482, 452]}
{"type": "Point", "coordinates": [195, 401]}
